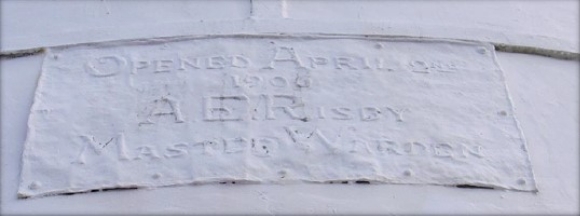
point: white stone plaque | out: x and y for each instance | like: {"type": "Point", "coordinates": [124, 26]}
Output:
{"type": "Point", "coordinates": [272, 109]}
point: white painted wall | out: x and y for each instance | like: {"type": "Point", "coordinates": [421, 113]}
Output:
{"type": "Point", "coordinates": [544, 90]}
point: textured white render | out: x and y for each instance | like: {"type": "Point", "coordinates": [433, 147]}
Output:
{"type": "Point", "coordinates": [542, 95]}
{"type": "Point", "coordinates": [272, 109]}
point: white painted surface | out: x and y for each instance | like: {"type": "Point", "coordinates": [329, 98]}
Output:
{"type": "Point", "coordinates": [544, 91]}
{"type": "Point", "coordinates": [544, 24]}
{"type": "Point", "coordinates": [272, 110]}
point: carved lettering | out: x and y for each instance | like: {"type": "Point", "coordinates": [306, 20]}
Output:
{"type": "Point", "coordinates": [285, 54]}
{"type": "Point", "coordinates": [317, 61]}
{"type": "Point", "coordinates": [99, 146]}
{"type": "Point", "coordinates": [165, 107]}
{"type": "Point", "coordinates": [177, 150]}
{"type": "Point", "coordinates": [163, 66]}
{"type": "Point", "coordinates": [138, 65]}
{"type": "Point", "coordinates": [185, 62]}
{"type": "Point", "coordinates": [216, 62]}
{"type": "Point", "coordinates": [388, 146]}
{"type": "Point", "coordinates": [106, 66]}
{"type": "Point", "coordinates": [240, 62]}
{"type": "Point", "coordinates": [274, 102]}
{"type": "Point", "coordinates": [344, 62]}
{"type": "Point", "coordinates": [223, 113]}
{"type": "Point", "coordinates": [264, 146]}
{"type": "Point", "coordinates": [144, 152]}
{"type": "Point", "coordinates": [370, 114]}
{"type": "Point", "coordinates": [342, 113]}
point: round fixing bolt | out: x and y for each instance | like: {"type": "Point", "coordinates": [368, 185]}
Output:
{"type": "Point", "coordinates": [156, 176]}
{"type": "Point", "coordinates": [34, 185]}
{"type": "Point", "coordinates": [481, 50]}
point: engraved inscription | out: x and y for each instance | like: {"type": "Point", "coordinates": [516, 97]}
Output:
{"type": "Point", "coordinates": [273, 109]}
